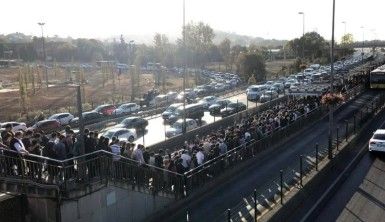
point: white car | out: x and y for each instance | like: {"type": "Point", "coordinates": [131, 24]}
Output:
{"type": "Point", "coordinates": [208, 101]}
{"type": "Point", "coordinates": [122, 134]}
{"type": "Point", "coordinates": [177, 127]}
{"type": "Point", "coordinates": [171, 96]}
{"type": "Point", "coordinates": [127, 108]}
{"type": "Point", "coordinates": [16, 126]}
{"type": "Point", "coordinates": [253, 92]}
{"type": "Point", "coordinates": [377, 142]}
{"type": "Point", "coordinates": [63, 118]}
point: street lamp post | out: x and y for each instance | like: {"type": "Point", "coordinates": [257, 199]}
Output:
{"type": "Point", "coordinates": [184, 68]}
{"type": "Point", "coordinates": [41, 24]}
{"type": "Point", "coordinates": [303, 32]}
{"type": "Point", "coordinates": [330, 153]}
{"type": "Point", "coordinates": [363, 44]}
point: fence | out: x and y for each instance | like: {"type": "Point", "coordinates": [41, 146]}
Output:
{"type": "Point", "coordinates": [275, 190]}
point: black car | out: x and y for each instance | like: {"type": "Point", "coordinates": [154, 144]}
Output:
{"type": "Point", "coordinates": [133, 122]}
{"type": "Point", "coordinates": [215, 109]}
{"type": "Point", "coordinates": [88, 117]}
{"type": "Point", "coordinates": [232, 108]}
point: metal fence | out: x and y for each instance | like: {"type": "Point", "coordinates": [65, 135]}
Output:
{"type": "Point", "coordinates": [274, 191]}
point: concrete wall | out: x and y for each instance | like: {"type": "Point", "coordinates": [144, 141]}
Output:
{"type": "Point", "coordinates": [108, 204]}
{"type": "Point", "coordinates": [112, 204]}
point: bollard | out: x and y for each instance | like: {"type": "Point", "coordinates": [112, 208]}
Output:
{"type": "Point", "coordinates": [255, 205]}
{"type": "Point", "coordinates": [228, 215]}
{"type": "Point", "coordinates": [187, 217]}
{"type": "Point", "coordinates": [281, 185]}
{"type": "Point", "coordinates": [300, 169]}
{"type": "Point", "coordinates": [337, 138]}
{"type": "Point", "coordinates": [316, 156]}
{"type": "Point", "coordinates": [346, 130]}
{"type": "Point", "coordinates": [354, 123]}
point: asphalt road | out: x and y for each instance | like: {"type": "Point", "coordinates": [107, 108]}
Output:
{"type": "Point", "coordinates": [362, 195]}
{"type": "Point", "coordinates": [212, 206]}
{"type": "Point", "coordinates": [155, 131]}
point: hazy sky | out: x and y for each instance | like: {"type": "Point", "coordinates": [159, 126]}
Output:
{"type": "Point", "coordinates": [265, 18]}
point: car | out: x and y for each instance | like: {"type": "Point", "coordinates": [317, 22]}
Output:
{"type": "Point", "coordinates": [133, 122]}
{"type": "Point", "coordinates": [232, 108]}
{"type": "Point", "coordinates": [191, 111]}
{"type": "Point", "coordinates": [215, 109]}
{"type": "Point", "coordinates": [126, 108]}
{"type": "Point", "coordinates": [177, 127]}
{"type": "Point", "coordinates": [170, 110]}
{"type": "Point", "coordinates": [171, 96]}
{"type": "Point", "coordinates": [268, 95]}
{"type": "Point", "coordinates": [47, 126]}
{"type": "Point", "coordinates": [208, 101]}
{"type": "Point", "coordinates": [63, 118]}
{"type": "Point", "coordinates": [16, 126]}
{"type": "Point", "coordinates": [106, 109]}
{"type": "Point", "coordinates": [121, 134]}
{"type": "Point", "coordinates": [377, 142]}
{"type": "Point", "coordinates": [253, 92]}
{"type": "Point", "coordinates": [88, 118]}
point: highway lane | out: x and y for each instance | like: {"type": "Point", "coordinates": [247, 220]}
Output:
{"type": "Point", "coordinates": [231, 192]}
{"type": "Point", "coordinates": [155, 131]}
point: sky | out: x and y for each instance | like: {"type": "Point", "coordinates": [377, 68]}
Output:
{"type": "Point", "coordinates": [277, 19]}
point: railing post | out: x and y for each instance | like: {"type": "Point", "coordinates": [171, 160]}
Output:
{"type": "Point", "coordinates": [187, 216]}
{"type": "Point", "coordinates": [184, 185]}
{"type": "Point", "coordinates": [337, 142]}
{"type": "Point", "coordinates": [354, 123]}
{"type": "Point", "coordinates": [300, 169]}
{"type": "Point", "coordinates": [346, 130]}
{"type": "Point", "coordinates": [316, 156]}
{"type": "Point", "coordinates": [281, 185]}
{"type": "Point", "coordinates": [255, 205]}
{"type": "Point", "coordinates": [229, 215]}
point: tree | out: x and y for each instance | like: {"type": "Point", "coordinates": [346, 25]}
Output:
{"type": "Point", "coordinates": [310, 46]}
{"type": "Point", "coordinates": [225, 51]}
{"type": "Point", "coordinates": [253, 64]}
{"type": "Point", "coordinates": [346, 46]}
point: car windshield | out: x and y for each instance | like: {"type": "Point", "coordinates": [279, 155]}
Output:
{"type": "Point", "coordinates": [232, 105]}
{"type": "Point", "coordinates": [177, 125]}
{"type": "Point", "coordinates": [108, 134]}
{"type": "Point", "coordinates": [171, 109]}
{"type": "Point", "coordinates": [127, 121]}
{"type": "Point", "coordinates": [379, 136]}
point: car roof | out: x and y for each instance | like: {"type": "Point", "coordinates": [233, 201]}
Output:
{"type": "Point", "coordinates": [181, 120]}
{"type": "Point", "coordinates": [380, 131]}
{"type": "Point", "coordinates": [114, 130]}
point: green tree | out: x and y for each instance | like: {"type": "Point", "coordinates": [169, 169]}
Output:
{"type": "Point", "coordinates": [225, 50]}
{"type": "Point", "coordinates": [253, 64]}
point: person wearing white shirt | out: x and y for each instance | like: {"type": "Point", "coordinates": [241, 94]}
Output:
{"type": "Point", "coordinates": [200, 157]}
{"type": "Point", "coordinates": [186, 159]}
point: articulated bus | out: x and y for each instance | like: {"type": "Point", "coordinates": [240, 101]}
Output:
{"type": "Point", "coordinates": [377, 78]}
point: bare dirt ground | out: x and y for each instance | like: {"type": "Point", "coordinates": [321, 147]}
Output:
{"type": "Point", "coordinates": [60, 97]}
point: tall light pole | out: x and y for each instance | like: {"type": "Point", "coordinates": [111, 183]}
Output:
{"type": "Point", "coordinates": [363, 44]}
{"type": "Point", "coordinates": [184, 67]}
{"type": "Point", "coordinates": [344, 22]}
{"type": "Point", "coordinates": [331, 108]}
{"type": "Point", "coordinates": [303, 32]}
{"type": "Point", "coordinates": [41, 24]}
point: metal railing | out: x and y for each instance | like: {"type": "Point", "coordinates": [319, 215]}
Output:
{"type": "Point", "coordinates": [98, 168]}
{"type": "Point", "coordinates": [273, 192]}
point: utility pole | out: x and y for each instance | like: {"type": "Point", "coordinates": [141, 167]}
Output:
{"type": "Point", "coordinates": [331, 108]}
{"type": "Point", "coordinates": [303, 33]}
{"type": "Point", "coordinates": [44, 53]}
{"type": "Point", "coordinates": [184, 68]}
{"type": "Point", "coordinates": [81, 120]}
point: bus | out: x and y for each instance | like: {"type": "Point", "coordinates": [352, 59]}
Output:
{"type": "Point", "coordinates": [377, 78]}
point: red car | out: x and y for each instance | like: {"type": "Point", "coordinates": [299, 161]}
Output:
{"type": "Point", "coordinates": [106, 109]}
